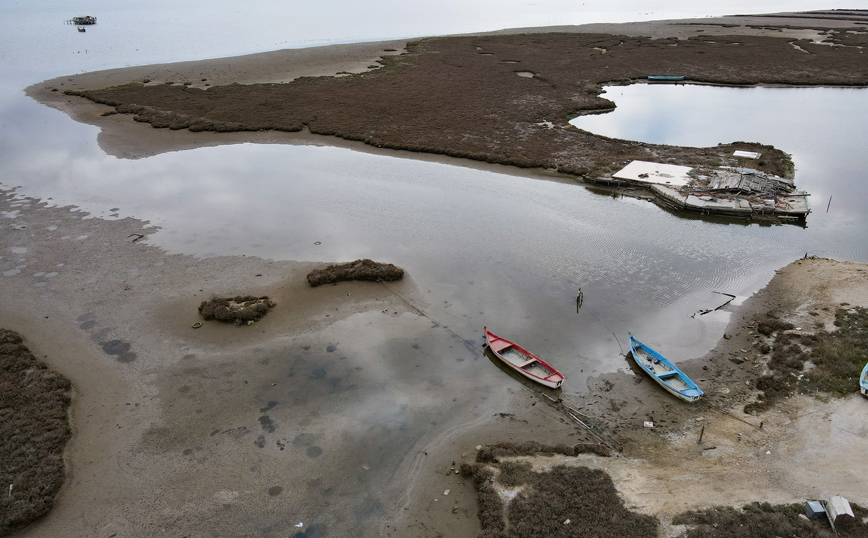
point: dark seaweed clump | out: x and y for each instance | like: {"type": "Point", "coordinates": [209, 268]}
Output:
{"type": "Point", "coordinates": [34, 429]}
{"type": "Point", "coordinates": [240, 310]}
{"type": "Point", "coordinates": [357, 270]}
{"type": "Point", "coordinates": [762, 520]}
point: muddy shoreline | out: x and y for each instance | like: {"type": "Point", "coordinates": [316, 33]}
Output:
{"type": "Point", "coordinates": [191, 431]}
{"type": "Point", "coordinates": [393, 94]}
{"type": "Point", "coordinates": [190, 407]}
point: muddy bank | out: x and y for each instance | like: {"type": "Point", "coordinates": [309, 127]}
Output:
{"type": "Point", "coordinates": [508, 97]}
{"type": "Point", "coordinates": [779, 455]}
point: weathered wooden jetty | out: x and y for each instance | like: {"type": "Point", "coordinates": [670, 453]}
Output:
{"type": "Point", "coordinates": [79, 21]}
{"type": "Point", "coordinates": [728, 191]}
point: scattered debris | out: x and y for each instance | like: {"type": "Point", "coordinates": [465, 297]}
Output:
{"type": "Point", "coordinates": [725, 191]}
{"type": "Point", "coordinates": [649, 424]}
{"type": "Point", "coordinates": [87, 19]}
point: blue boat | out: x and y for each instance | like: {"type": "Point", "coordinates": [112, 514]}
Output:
{"type": "Point", "coordinates": [863, 381]}
{"type": "Point", "coordinates": [664, 372]}
{"type": "Point", "coordinates": [667, 78]}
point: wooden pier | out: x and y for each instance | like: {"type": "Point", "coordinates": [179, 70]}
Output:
{"type": "Point", "coordinates": [82, 21]}
{"type": "Point", "coordinates": [725, 192]}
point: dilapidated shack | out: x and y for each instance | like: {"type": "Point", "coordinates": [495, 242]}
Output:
{"type": "Point", "coordinates": [839, 511]}
{"type": "Point", "coordinates": [724, 191]}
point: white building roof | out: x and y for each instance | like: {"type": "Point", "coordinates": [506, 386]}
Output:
{"type": "Point", "coordinates": [664, 174]}
{"type": "Point", "coordinates": [746, 154]}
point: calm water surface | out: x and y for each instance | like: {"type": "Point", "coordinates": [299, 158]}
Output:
{"type": "Point", "coordinates": [484, 247]}
{"type": "Point", "coordinates": [491, 248]}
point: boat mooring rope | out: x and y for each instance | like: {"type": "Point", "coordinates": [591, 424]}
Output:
{"type": "Point", "coordinates": [470, 345]}
{"type": "Point", "coordinates": [557, 403]}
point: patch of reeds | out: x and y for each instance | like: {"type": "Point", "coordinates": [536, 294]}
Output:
{"type": "Point", "coordinates": [574, 502]}
{"type": "Point", "coordinates": [514, 473]}
{"type": "Point", "coordinates": [491, 516]}
{"type": "Point", "coordinates": [492, 453]}
{"type": "Point", "coordinates": [763, 520]}
{"type": "Point", "coordinates": [358, 270]}
{"type": "Point", "coordinates": [34, 429]}
{"type": "Point", "coordinates": [400, 105]}
{"type": "Point", "coordinates": [837, 359]}
{"type": "Point", "coordinates": [239, 310]}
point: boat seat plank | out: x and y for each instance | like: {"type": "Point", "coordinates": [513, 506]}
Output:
{"type": "Point", "coordinates": [667, 375]}
{"type": "Point", "coordinates": [500, 345]}
{"type": "Point", "coordinates": [527, 363]}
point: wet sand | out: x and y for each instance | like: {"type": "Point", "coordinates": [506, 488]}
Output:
{"type": "Point", "coordinates": [329, 411]}
{"type": "Point", "coordinates": [255, 429]}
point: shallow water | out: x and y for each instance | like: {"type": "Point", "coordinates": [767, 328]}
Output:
{"type": "Point", "coordinates": [485, 248]}
{"type": "Point", "coordinates": [822, 128]}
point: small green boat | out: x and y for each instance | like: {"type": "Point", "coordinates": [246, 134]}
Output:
{"type": "Point", "coordinates": [666, 78]}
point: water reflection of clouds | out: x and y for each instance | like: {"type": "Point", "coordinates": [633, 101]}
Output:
{"type": "Point", "coordinates": [491, 248]}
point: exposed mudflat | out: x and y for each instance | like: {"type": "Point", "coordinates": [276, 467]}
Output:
{"type": "Point", "coordinates": [306, 416]}
{"type": "Point", "coordinates": [498, 98]}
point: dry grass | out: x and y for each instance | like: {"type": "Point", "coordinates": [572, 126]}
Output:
{"type": "Point", "coordinates": [492, 453]}
{"type": "Point", "coordinates": [357, 270]}
{"type": "Point", "coordinates": [585, 497]}
{"type": "Point", "coordinates": [559, 503]}
{"type": "Point", "coordinates": [762, 520]}
{"type": "Point", "coordinates": [837, 358]}
{"type": "Point", "coordinates": [240, 310]}
{"type": "Point", "coordinates": [34, 429]}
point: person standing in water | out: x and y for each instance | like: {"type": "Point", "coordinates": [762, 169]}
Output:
{"type": "Point", "coordinates": [580, 298]}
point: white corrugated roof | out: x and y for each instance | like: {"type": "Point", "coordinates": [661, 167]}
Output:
{"type": "Point", "coordinates": [664, 174]}
{"type": "Point", "coordinates": [746, 154]}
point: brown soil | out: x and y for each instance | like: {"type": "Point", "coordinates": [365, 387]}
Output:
{"type": "Point", "coordinates": [34, 429]}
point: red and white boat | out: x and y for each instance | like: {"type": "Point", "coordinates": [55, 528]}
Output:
{"type": "Point", "coordinates": [523, 361]}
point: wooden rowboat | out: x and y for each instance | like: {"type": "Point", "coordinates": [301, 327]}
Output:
{"type": "Point", "coordinates": [664, 372]}
{"type": "Point", "coordinates": [523, 361]}
{"type": "Point", "coordinates": [863, 381]}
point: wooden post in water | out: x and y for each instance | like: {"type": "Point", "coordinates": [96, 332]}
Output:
{"type": "Point", "coordinates": [701, 432]}
{"type": "Point", "coordinates": [830, 203]}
